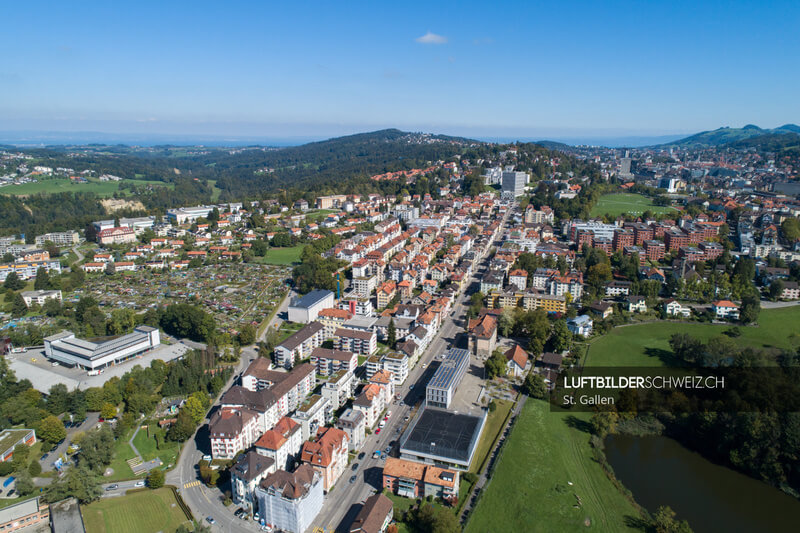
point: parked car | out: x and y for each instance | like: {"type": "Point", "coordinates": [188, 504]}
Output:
{"type": "Point", "coordinates": [378, 431]}
{"type": "Point", "coordinates": [210, 520]}
{"type": "Point", "coordinates": [355, 467]}
{"type": "Point", "coordinates": [353, 479]}
{"type": "Point", "coordinates": [361, 455]}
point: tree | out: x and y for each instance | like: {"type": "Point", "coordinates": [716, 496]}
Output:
{"type": "Point", "coordinates": [604, 422]}
{"type": "Point", "coordinates": [435, 519]}
{"type": "Point", "coordinates": [534, 386]}
{"type": "Point", "coordinates": [35, 468]}
{"type": "Point", "coordinates": [791, 229]}
{"type": "Point", "coordinates": [108, 411]}
{"type": "Point", "coordinates": [20, 458]}
{"type": "Point", "coordinates": [750, 309]}
{"type": "Point", "coordinates": [57, 398]}
{"type": "Point", "coordinates": [247, 335]}
{"type": "Point", "coordinates": [598, 275]}
{"type": "Point", "coordinates": [13, 283]}
{"type": "Point", "coordinates": [561, 339]}
{"type": "Point", "coordinates": [18, 306]}
{"type": "Point", "coordinates": [24, 483]}
{"type": "Point", "coordinates": [155, 479]}
{"type": "Point", "coordinates": [391, 333]}
{"type": "Point", "coordinates": [664, 521]}
{"type": "Point", "coordinates": [195, 409]}
{"type": "Point", "coordinates": [496, 364]}
{"type": "Point", "coordinates": [79, 482]}
{"type": "Point", "coordinates": [776, 289]}
{"type": "Point", "coordinates": [51, 430]}
{"type": "Point", "coordinates": [183, 427]}
{"type": "Point", "coordinates": [42, 279]}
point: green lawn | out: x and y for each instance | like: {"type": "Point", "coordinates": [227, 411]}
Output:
{"type": "Point", "coordinates": [621, 203]}
{"type": "Point", "coordinates": [282, 256]}
{"type": "Point", "coordinates": [319, 215]}
{"type": "Point", "coordinates": [147, 510]}
{"type": "Point", "coordinates": [530, 488]}
{"type": "Point", "coordinates": [648, 344]}
{"type": "Point", "coordinates": [494, 424]}
{"type": "Point", "coordinates": [146, 446]}
{"type": "Point", "coordinates": [102, 188]}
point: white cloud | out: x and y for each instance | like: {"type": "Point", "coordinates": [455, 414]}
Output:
{"type": "Point", "coordinates": [431, 38]}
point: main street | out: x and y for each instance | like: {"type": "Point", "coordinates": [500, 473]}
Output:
{"type": "Point", "coordinates": [344, 500]}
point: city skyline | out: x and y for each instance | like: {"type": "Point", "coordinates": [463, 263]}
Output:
{"type": "Point", "coordinates": [514, 71]}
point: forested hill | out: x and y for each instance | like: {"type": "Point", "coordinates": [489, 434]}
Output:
{"type": "Point", "coordinates": [340, 165]}
{"type": "Point", "coordinates": [726, 136]}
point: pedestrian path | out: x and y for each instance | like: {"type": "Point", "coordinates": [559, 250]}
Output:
{"type": "Point", "coordinates": [191, 484]}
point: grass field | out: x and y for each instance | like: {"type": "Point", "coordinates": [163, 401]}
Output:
{"type": "Point", "coordinates": [621, 203]}
{"type": "Point", "coordinates": [147, 510]}
{"type": "Point", "coordinates": [530, 489]}
{"type": "Point", "coordinates": [319, 215]}
{"type": "Point", "coordinates": [494, 423]}
{"type": "Point", "coordinates": [146, 446]}
{"type": "Point", "coordinates": [101, 188]}
{"type": "Point", "coordinates": [648, 344]}
{"type": "Point", "coordinates": [282, 256]}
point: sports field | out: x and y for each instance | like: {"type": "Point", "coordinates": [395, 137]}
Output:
{"type": "Point", "coordinates": [626, 203]}
{"type": "Point", "coordinates": [146, 510]}
{"type": "Point", "coordinates": [101, 188]}
{"type": "Point", "coordinates": [648, 344]}
{"type": "Point", "coordinates": [531, 491]}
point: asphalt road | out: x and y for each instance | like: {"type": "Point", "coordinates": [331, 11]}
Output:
{"type": "Point", "coordinates": [91, 421]}
{"type": "Point", "coordinates": [344, 501]}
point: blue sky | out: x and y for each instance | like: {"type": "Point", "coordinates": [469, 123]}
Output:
{"type": "Point", "coordinates": [308, 69]}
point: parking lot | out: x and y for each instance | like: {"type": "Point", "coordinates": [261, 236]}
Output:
{"type": "Point", "coordinates": [34, 366]}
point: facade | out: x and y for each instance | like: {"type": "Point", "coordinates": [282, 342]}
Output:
{"type": "Point", "coordinates": [327, 455]}
{"type": "Point", "coordinates": [442, 386]}
{"type": "Point", "coordinates": [354, 424]}
{"type": "Point", "coordinates": [513, 184]}
{"type": "Point", "coordinates": [580, 325]}
{"type": "Point", "coordinates": [339, 387]}
{"type": "Point", "coordinates": [300, 345]}
{"type": "Point", "coordinates": [332, 319]}
{"type": "Point", "coordinates": [482, 335]}
{"type": "Point", "coordinates": [281, 443]}
{"type": "Point", "coordinates": [330, 361]}
{"type": "Point", "coordinates": [411, 479]}
{"type": "Point", "coordinates": [65, 348]}
{"type": "Point", "coordinates": [232, 430]}
{"type": "Point", "coordinates": [290, 502]}
{"type": "Point", "coordinates": [27, 269]}
{"type": "Point", "coordinates": [518, 361]}
{"type": "Point", "coordinates": [184, 215]}
{"type": "Point", "coordinates": [313, 414]}
{"type": "Point", "coordinates": [246, 474]}
{"type": "Point", "coordinates": [121, 235]}
{"type": "Point", "coordinates": [307, 308]}
{"type": "Point", "coordinates": [357, 341]}
{"type": "Point", "coordinates": [40, 297]}
{"type": "Point", "coordinates": [61, 238]}
{"type": "Point", "coordinates": [725, 310]}
{"type": "Point", "coordinates": [674, 308]}
{"type": "Point", "coordinates": [26, 514]}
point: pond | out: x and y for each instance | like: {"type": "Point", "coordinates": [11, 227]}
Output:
{"type": "Point", "coordinates": [660, 471]}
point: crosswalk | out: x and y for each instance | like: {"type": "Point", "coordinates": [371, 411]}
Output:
{"type": "Point", "coordinates": [320, 529]}
{"type": "Point", "coordinates": [191, 484]}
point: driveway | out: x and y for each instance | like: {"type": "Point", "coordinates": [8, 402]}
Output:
{"type": "Point", "coordinates": [91, 421]}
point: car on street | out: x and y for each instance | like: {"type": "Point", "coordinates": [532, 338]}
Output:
{"type": "Point", "coordinates": [378, 431]}
{"type": "Point", "coordinates": [210, 520]}
{"type": "Point", "coordinates": [361, 455]}
{"type": "Point", "coordinates": [139, 484]}
{"type": "Point", "coordinates": [387, 450]}
{"type": "Point", "coordinates": [407, 418]}
{"type": "Point", "coordinates": [113, 486]}
{"type": "Point", "coordinates": [353, 479]}
{"type": "Point", "coordinates": [377, 454]}
{"type": "Point", "coordinates": [355, 466]}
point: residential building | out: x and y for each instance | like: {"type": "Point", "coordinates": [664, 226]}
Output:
{"type": "Point", "coordinates": [482, 334]}
{"type": "Point", "coordinates": [635, 304]}
{"type": "Point", "coordinates": [330, 361]}
{"type": "Point", "coordinates": [354, 423]}
{"type": "Point", "coordinates": [40, 297]}
{"type": "Point", "coordinates": [519, 279]}
{"type": "Point", "coordinates": [327, 455]}
{"type": "Point", "coordinates": [513, 184]}
{"type": "Point", "coordinates": [375, 515]}
{"type": "Point", "coordinates": [306, 308]}
{"type": "Point", "coordinates": [340, 386]}
{"type": "Point", "coordinates": [370, 403]}
{"type": "Point", "coordinates": [360, 342]}
{"type": "Point", "coordinates": [725, 310]}
{"type": "Point", "coordinates": [231, 431]}
{"type": "Point", "coordinates": [385, 293]}
{"type": "Point", "coordinates": [61, 238]}
{"type": "Point", "coordinates": [397, 364]}
{"type": "Point", "coordinates": [121, 235]}
{"type": "Point", "coordinates": [246, 474]}
{"type": "Point", "coordinates": [291, 502]}
{"type": "Point", "coordinates": [281, 443]}
{"type": "Point", "coordinates": [518, 361]}
{"type": "Point", "coordinates": [442, 386]}
{"type": "Point", "coordinates": [313, 414]}
{"type": "Point", "coordinates": [674, 308]}
{"type": "Point", "coordinates": [580, 325]}
{"type": "Point", "coordinates": [300, 345]}
{"type": "Point", "coordinates": [791, 291]}
{"type": "Point", "coordinates": [332, 319]}
{"type": "Point", "coordinates": [411, 479]}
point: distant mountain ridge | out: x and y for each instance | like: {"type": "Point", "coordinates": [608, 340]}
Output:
{"type": "Point", "coordinates": [729, 136]}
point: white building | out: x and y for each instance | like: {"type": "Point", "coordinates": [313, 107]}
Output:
{"type": "Point", "coordinates": [61, 238]}
{"type": "Point", "coordinates": [282, 443]}
{"type": "Point", "coordinates": [300, 345]}
{"type": "Point", "coordinates": [40, 297]}
{"type": "Point", "coordinates": [246, 474]}
{"type": "Point", "coordinates": [442, 386]}
{"type": "Point", "coordinates": [290, 502]}
{"type": "Point", "coordinates": [305, 309]}
{"type": "Point", "coordinates": [66, 348]}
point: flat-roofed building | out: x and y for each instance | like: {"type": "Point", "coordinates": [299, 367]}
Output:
{"type": "Point", "coordinates": [442, 386]}
{"type": "Point", "coordinates": [9, 438]}
{"type": "Point", "coordinates": [306, 308]}
{"type": "Point", "coordinates": [299, 345]}
{"type": "Point", "coordinates": [40, 297]}
{"type": "Point", "coordinates": [65, 348]}
{"type": "Point", "coordinates": [59, 238]}
{"type": "Point", "coordinates": [441, 437]}
{"type": "Point", "coordinates": [330, 361]}
{"type": "Point", "coordinates": [358, 341]}
{"type": "Point", "coordinates": [24, 515]}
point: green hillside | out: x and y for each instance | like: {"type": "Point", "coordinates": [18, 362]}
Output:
{"type": "Point", "coordinates": [726, 135]}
